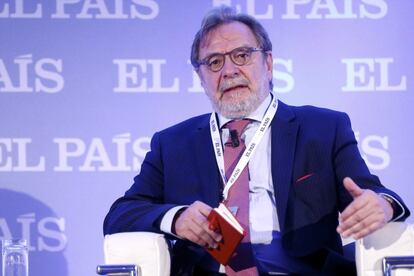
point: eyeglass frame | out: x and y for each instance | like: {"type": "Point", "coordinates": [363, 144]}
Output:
{"type": "Point", "coordinates": [250, 50]}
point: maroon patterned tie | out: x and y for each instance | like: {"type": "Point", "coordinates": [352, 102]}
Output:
{"type": "Point", "coordinates": [242, 262]}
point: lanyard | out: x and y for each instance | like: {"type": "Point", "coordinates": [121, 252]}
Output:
{"type": "Point", "coordinates": [248, 152]}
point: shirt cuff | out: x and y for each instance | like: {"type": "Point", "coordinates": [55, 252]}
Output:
{"type": "Point", "coordinates": [166, 222]}
{"type": "Point", "coordinates": [400, 208]}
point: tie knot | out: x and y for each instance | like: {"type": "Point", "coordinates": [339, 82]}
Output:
{"type": "Point", "coordinates": [238, 125]}
{"type": "Point", "coordinates": [236, 129]}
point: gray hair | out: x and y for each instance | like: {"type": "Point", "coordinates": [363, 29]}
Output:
{"type": "Point", "coordinates": [222, 15]}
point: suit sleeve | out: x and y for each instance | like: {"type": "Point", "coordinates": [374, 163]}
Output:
{"type": "Point", "coordinates": [348, 162]}
{"type": "Point", "coordinates": [142, 207]}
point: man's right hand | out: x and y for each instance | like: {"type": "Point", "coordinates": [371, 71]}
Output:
{"type": "Point", "coordinates": [192, 224]}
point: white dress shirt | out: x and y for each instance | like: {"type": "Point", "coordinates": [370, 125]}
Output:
{"type": "Point", "coordinates": [262, 209]}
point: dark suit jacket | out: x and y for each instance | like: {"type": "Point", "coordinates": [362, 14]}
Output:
{"type": "Point", "coordinates": [306, 141]}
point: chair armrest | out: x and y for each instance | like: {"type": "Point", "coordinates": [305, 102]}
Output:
{"type": "Point", "coordinates": [396, 239]}
{"type": "Point", "coordinates": [147, 250]}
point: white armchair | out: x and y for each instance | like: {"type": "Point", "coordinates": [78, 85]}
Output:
{"type": "Point", "coordinates": [136, 253]}
{"type": "Point", "coordinates": [390, 247]}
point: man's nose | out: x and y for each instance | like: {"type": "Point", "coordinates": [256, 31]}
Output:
{"type": "Point", "coordinates": [229, 69]}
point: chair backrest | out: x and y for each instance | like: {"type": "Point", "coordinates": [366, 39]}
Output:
{"type": "Point", "coordinates": [147, 250]}
{"type": "Point", "coordinates": [394, 239]}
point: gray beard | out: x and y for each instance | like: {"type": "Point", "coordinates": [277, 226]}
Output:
{"type": "Point", "coordinates": [240, 109]}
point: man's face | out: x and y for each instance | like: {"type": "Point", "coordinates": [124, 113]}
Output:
{"type": "Point", "coordinates": [235, 91]}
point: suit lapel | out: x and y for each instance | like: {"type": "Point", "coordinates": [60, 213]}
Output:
{"type": "Point", "coordinates": [284, 133]}
{"type": "Point", "coordinates": [206, 166]}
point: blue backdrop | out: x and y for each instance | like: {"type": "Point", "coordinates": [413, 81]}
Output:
{"type": "Point", "coordinates": [85, 83]}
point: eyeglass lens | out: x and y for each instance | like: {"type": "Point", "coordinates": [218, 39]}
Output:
{"type": "Point", "coordinates": [239, 56]}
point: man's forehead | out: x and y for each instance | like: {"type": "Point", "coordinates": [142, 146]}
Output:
{"type": "Point", "coordinates": [228, 35]}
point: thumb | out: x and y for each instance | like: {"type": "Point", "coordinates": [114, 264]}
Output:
{"type": "Point", "coordinates": [352, 187]}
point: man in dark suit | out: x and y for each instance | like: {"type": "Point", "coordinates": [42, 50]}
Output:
{"type": "Point", "coordinates": [305, 168]}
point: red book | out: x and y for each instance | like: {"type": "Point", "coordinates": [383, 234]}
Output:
{"type": "Point", "coordinates": [223, 221]}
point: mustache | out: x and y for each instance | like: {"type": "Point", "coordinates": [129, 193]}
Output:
{"type": "Point", "coordinates": [227, 84]}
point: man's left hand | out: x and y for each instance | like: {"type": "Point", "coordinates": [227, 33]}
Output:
{"type": "Point", "coordinates": [367, 212]}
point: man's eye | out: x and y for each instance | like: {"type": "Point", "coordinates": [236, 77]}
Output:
{"type": "Point", "coordinates": [242, 54]}
{"type": "Point", "coordinates": [214, 61]}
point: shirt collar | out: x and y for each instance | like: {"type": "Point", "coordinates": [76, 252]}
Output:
{"type": "Point", "coordinates": [256, 115]}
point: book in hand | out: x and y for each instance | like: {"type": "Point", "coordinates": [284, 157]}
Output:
{"type": "Point", "coordinates": [223, 221]}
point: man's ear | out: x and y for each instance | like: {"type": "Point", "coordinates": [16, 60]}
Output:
{"type": "Point", "coordinates": [200, 76]}
{"type": "Point", "coordinates": [269, 64]}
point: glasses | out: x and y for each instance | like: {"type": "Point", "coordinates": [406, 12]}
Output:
{"type": "Point", "coordinates": [239, 56]}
